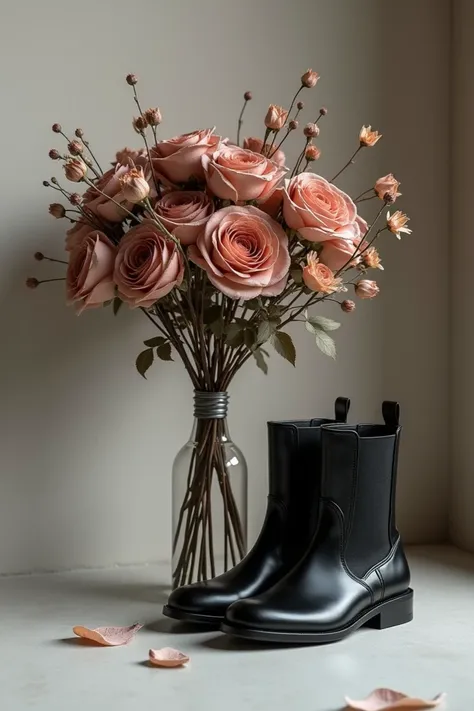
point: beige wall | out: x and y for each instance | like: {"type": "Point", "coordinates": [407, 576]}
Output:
{"type": "Point", "coordinates": [85, 444]}
{"type": "Point", "coordinates": [462, 258]}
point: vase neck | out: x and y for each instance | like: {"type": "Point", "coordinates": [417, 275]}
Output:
{"type": "Point", "coordinates": [210, 405]}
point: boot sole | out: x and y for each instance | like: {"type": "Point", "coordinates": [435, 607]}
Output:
{"type": "Point", "coordinates": [183, 616]}
{"type": "Point", "coordinates": [389, 613]}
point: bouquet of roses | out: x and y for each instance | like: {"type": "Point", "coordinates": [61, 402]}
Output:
{"type": "Point", "coordinates": [220, 246]}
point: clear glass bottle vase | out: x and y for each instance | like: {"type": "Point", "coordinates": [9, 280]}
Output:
{"type": "Point", "coordinates": [209, 494]}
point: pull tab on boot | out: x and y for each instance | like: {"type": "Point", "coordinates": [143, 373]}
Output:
{"type": "Point", "coordinates": [391, 413]}
{"type": "Point", "coordinates": [341, 409]}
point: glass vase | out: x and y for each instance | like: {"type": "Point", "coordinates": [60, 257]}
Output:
{"type": "Point", "coordinates": [209, 493]}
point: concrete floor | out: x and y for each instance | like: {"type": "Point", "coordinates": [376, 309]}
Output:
{"type": "Point", "coordinates": [42, 666]}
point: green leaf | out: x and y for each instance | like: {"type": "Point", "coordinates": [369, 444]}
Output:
{"type": "Point", "coordinates": [117, 303]}
{"type": "Point", "coordinates": [164, 351]}
{"type": "Point", "coordinates": [250, 338]}
{"type": "Point", "coordinates": [321, 323]}
{"type": "Point", "coordinates": [155, 342]}
{"type": "Point", "coordinates": [283, 344]}
{"type": "Point", "coordinates": [260, 360]}
{"type": "Point", "coordinates": [297, 275]}
{"type": "Point", "coordinates": [325, 343]}
{"type": "Point", "coordinates": [234, 334]}
{"type": "Point", "coordinates": [266, 329]}
{"type": "Point", "coordinates": [217, 328]}
{"type": "Point", "coordinates": [144, 361]}
{"type": "Point", "coordinates": [254, 304]}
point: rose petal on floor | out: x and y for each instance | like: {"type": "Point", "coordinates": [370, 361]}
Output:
{"type": "Point", "coordinates": [167, 657]}
{"type": "Point", "coordinates": [108, 636]}
{"type": "Point", "coordinates": [387, 699]}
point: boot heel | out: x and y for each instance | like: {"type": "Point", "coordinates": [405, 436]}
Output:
{"type": "Point", "coordinates": [397, 611]}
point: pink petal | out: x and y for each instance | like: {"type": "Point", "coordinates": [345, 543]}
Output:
{"type": "Point", "coordinates": [108, 636]}
{"type": "Point", "coordinates": [387, 699]}
{"type": "Point", "coordinates": [167, 657]}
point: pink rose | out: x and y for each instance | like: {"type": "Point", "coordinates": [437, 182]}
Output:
{"type": "Point", "coordinates": [130, 156]}
{"type": "Point", "coordinates": [256, 145]}
{"type": "Point", "coordinates": [318, 277]}
{"type": "Point", "coordinates": [111, 183]}
{"type": "Point", "coordinates": [76, 235]}
{"type": "Point", "coordinates": [272, 206]}
{"type": "Point", "coordinates": [178, 159]}
{"type": "Point", "coordinates": [89, 278]}
{"type": "Point", "coordinates": [244, 252]}
{"type": "Point", "coordinates": [318, 210]}
{"type": "Point", "coordinates": [238, 174]}
{"type": "Point", "coordinates": [148, 265]}
{"type": "Point", "coordinates": [184, 213]}
{"type": "Point", "coordinates": [336, 253]}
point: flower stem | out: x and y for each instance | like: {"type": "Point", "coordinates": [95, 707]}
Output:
{"type": "Point", "coordinates": [349, 162]}
{"type": "Point", "coordinates": [240, 122]}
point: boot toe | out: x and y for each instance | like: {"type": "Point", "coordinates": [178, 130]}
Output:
{"type": "Point", "coordinates": [253, 614]}
{"type": "Point", "coordinates": [200, 599]}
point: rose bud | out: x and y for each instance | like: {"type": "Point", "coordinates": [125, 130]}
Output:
{"type": "Point", "coordinates": [79, 132]}
{"type": "Point", "coordinates": [153, 116]}
{"type": "Point", "coordinates": [323, 111]}
{"type": "Point", "coordinates": [131, 79]}
{"type": "Point", "coordinates": [32, 283]}
{"type": "Point", "coordinates": [367, 137]}
{"type": "Point", "coordinates": [387, 188]}
{"type": "Point", "coordinates": [293, 125]}
{"type": "Point", "coordinates": [75, 148]}
{"type": "Point", "coordinates": [348, 306]}
{"type": "Point", "coordinates": [75, 169]}
{"type": "Point", "coordinates": [371, 259]}
{"type": "Point", "coordinates": [300, 106]}
{"type": "Point", "coordinates": [248, 96]}
{"type": "Point", "coordinates": [75, 199]}
{"type": "Point", "coordinates": [54, 154]}
{"type": "Point", "coordinates": [39, 256]}
{"type": "Point", "coordinates": [310, 79]}
{"type": "Point", "coordinates": [139, 124]}
{"type": "Point", "coordinates": [311, 130]}
{"type": "Point", "coordinates": [56, 128]}
{"type": "Point", "coordinates": [276, 117]}
{"type": "Point", "coordinates": [134, 186]}
{"type": "Point", "coordinates": [366, 289]}
{"type": "Point", "coordinates": [57, 210]}
{"type": "Point", "coordinates": [45, 183]}
{"type": "Point", "coordinates": [312, 153]}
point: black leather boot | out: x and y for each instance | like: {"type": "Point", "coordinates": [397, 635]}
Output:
{"type": "Point", "coordinates": [355, 572]}
{"type": "Point", "coordinates": [289, 525]}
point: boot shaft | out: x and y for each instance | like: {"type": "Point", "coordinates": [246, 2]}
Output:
{"type": "Point", "coordinates": [359, 471]}
{"type": "Point", "coordinates": [295, 471]}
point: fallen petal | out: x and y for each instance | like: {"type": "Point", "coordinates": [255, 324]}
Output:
{"type": "Point", "coordinates": [108, 636]}
{"type": "Point", "coordinates": [387, 699]}
{"type": "Point", "coordinates": [167, 657]}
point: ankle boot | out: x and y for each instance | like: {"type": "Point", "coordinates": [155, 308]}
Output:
{"type": "Point", "coordinates": [355, 572]}
{"type": "Point", "coordinates": [289, 525]}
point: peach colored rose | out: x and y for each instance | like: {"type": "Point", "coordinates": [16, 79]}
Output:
{"type": "Point", "coordinates": [148, 265]}
{"type": "Point", "coordinates": [310, 79]}
{"type": "Point", "coordinates": [184, 213]}
{"type": "Point", "coordinates": [237, 174]}
{"type": "Point", "coordinates": [131, 156]}
{"type": "Point", "coordinates": [276, 117]}
{"type": "Point", "coordinates": [76, 235]}
{"type": "Point", "coordinates": [111, 184]}
{"type": "Point", "coordinates": [336, 253]}
{"type": "Point", "coordinates": [89, 278]}
{"type": "Point", "coordinates": [256, 145]}
{"type": "Point", "coordinates": [318, 210]}
{"type": "Point", "coordinates": [272, 206]}
{"type": "Point", "coordinates": [318, 277]}
{"type": "Point", "coordinates": [388, 185]}
{"type": "Point", "coordinates": [366, 289]}
{"type": "Point", "coordinates": [244, 252]}
{"type": "Point", "coordinates": [178, 159]}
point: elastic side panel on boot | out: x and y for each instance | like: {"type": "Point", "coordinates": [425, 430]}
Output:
{"type": "Point", "coordinates": [368, 541]}
{"type": "Point", "coordinates": [339, 461]}
{"type": "Point", "coordinates": [309, 482]}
